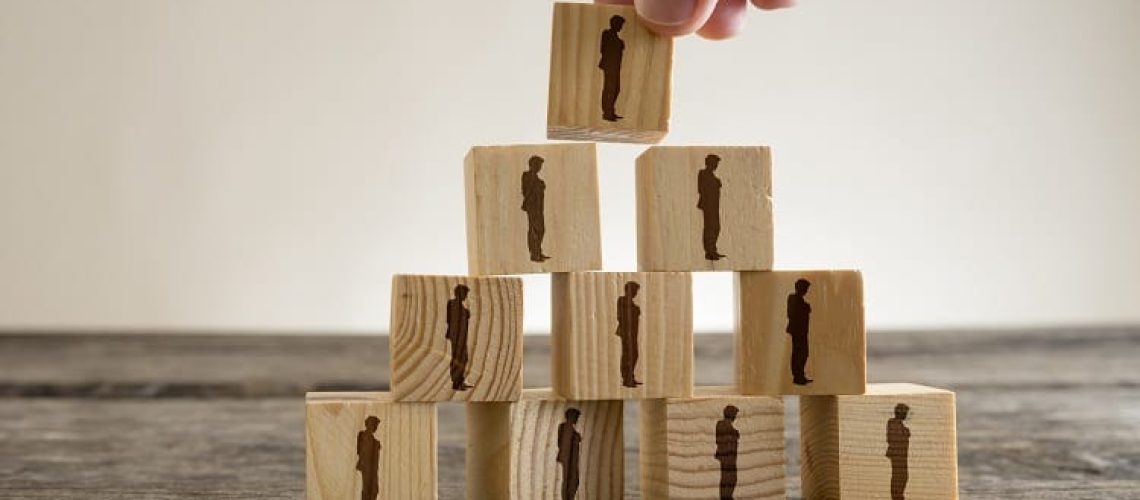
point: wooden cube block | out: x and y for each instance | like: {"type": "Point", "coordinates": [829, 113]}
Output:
{"type": "Point", "coordinates": [609, 76]}
{"type": "Point", "coordinates": [456, 338]}
{"type": "Point", "coordinates": [532, 209]}
{"type": "Point", "coordinates": [544, 448]}
{"type": "Point", "coordinates": [706, 208]}
{"type": "Point", "coordinates": [715, 445]}
{"type": "Point", "coordinates": [897, 442]}
{"type": "Point", "coordinates": [622, 335]}
{"type": "Point", "coordinates": [365, 445]}
{"type": "Point", "coordinates": [800, 332]}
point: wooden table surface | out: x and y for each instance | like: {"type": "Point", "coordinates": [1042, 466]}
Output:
{"type": "Point", "coordinates": [1042, 414]}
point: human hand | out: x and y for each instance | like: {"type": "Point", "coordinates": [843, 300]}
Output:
{"type": "Point", "coordinates": [712, 19]}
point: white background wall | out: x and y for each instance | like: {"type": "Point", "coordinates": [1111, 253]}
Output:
{"type": "Point", "coordinates": [269, 164]}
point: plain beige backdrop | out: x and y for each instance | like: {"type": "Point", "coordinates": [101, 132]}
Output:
{"type": "Point", "coordinates": [269, 164]}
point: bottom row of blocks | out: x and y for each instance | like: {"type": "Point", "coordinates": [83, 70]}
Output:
{"type": "Point", "coordinates": [896, 441]}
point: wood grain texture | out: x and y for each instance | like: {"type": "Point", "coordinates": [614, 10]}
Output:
{"type": "Point", "coordinates": [837, 360]}
{"type": "Point", "coordinates": [422, 355]}
{"type": "Point", "coordinates": [586, 352]}
{"type": "Point", "coordinates": [574, 109]}
{"type": "Point", "coordinates": [512, 448]}
{"type": "Point", "coordinates": [670, 226]}
{"type": "Point", "coordinates": [679, 445]}
{"type": "Point", "coordinates": [845, 446]}
{"type": "Point", "coordinates": [407, 458]}
{"type": "Point", "coordinates": [497, 225]}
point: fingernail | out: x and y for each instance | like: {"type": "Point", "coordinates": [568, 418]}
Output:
{"type": "Point", "coordinates": [666, 12]}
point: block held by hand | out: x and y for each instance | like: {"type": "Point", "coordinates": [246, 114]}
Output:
{"type": "Point", "coordinates": [609, 76]}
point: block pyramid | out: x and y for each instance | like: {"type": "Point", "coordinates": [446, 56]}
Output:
{"type": "Point", "coordinates": [618, 337]}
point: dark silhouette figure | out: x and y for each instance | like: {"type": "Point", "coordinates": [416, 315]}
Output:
{"type": "Point", "coordinates": [457, 318]}
{"type": "Point", "coordinates": [799, 315]}
{"type": "Point", "coordinates": [727, 439]}
{"type": "Point", "coordinates": [612, 48]}
{"type": "Point", "coordinates": [368, 459]}
{"type": "Point", "coordinates": [898, 449]}
{"type": "Point", "coordinates": [534, 204]}
{"type": "Point", "coordinates": [628, 316]}
{"type": "Point", "coordinates": [569, 453]}
{"type": "Point", "coordinates": [708, 201]}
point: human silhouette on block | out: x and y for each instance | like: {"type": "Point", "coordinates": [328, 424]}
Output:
{"type": "Point", "coordinates": [898, 449]}
{"type": "Point", "coordinates": [629, 317]}
{"type": "Point", "coordinates": [534, 204]}
{"type": "Point", "coordinates": [799, 316]}
{"type": "Point", "coordinates": [612, 48]}
{"type": "Point", "coordinates": [727, 440]}
{"type": "Point", "coordinates": [569, 453]}
{"type": "Point", "coordinates": [368, 459]}
{"type": "Point", "coordinates": [458, 316]}
{"type": "Point", "coordinates": [708, 201]}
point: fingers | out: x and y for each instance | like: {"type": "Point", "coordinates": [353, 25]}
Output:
{"type": "Point", "coordinates": [726, 20]}
{"type": "Point", "coordinates": [712, 19]}
{"type": "Point", "coordinates": [675, 17]}
{"type": "Point", "coordinates": [773, 4]}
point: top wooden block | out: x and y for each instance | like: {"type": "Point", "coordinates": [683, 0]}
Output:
{"type": "Point", "coordinates": [609, 76]}
{"type": "Point", "coordinates": [704, 208]}
{"type": "Point", "coordinates": [532, 209]}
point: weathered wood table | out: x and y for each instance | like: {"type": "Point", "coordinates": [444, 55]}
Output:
{"type": "Point", "coordinates": [1041, 414]}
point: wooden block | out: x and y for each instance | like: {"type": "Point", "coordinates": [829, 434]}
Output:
{"type": "Point", "coordinates": [622, 335]}
{"type": "Point", "coordinates": [544, 448]}
{"type": "Point", "coordinates": [456, 338]}
{"type": "Point", "coordinates": [532, 209]}
{"type": "Point", "coordinates": [609, 76]}
{"type": "Point", "coordinates": [704, 208]}
{"type": "Point", "coordinates": [898, 441]}
{"type": "Point", "coordinates": [715, 445]}
{"type": "Point", "coordinates": [787, 321]}
{"type": "Point", "coordinates": [363, 445]}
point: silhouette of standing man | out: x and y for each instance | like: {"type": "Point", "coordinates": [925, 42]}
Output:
{"type": "Point", "coordinates": [612, 48]}
{"type": "Point", "coordinates": [898, 448]}
{"type": "Point", "coordinates": [727, 439]}
{"type": "Point", "coordinates": [799, 315]}
{"type": "Point", "coordinates": [534, 204]}
{"type": "Point", "coordinates": [708, 201]}
{"type": "Point", "coordinates": [628, 316]}
{"type": "Point", "coordinates": [368, 459]}
{"type": "Point", "coordinates": [457, 318]}
{"type": "Point", "coordinates": [569, 450]}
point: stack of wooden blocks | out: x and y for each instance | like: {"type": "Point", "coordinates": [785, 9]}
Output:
{"type": "Point", "coordinates": [627, 336]}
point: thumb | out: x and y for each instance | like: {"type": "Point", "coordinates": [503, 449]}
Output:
{"type": "Point", "coordinates": [675, 17]}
